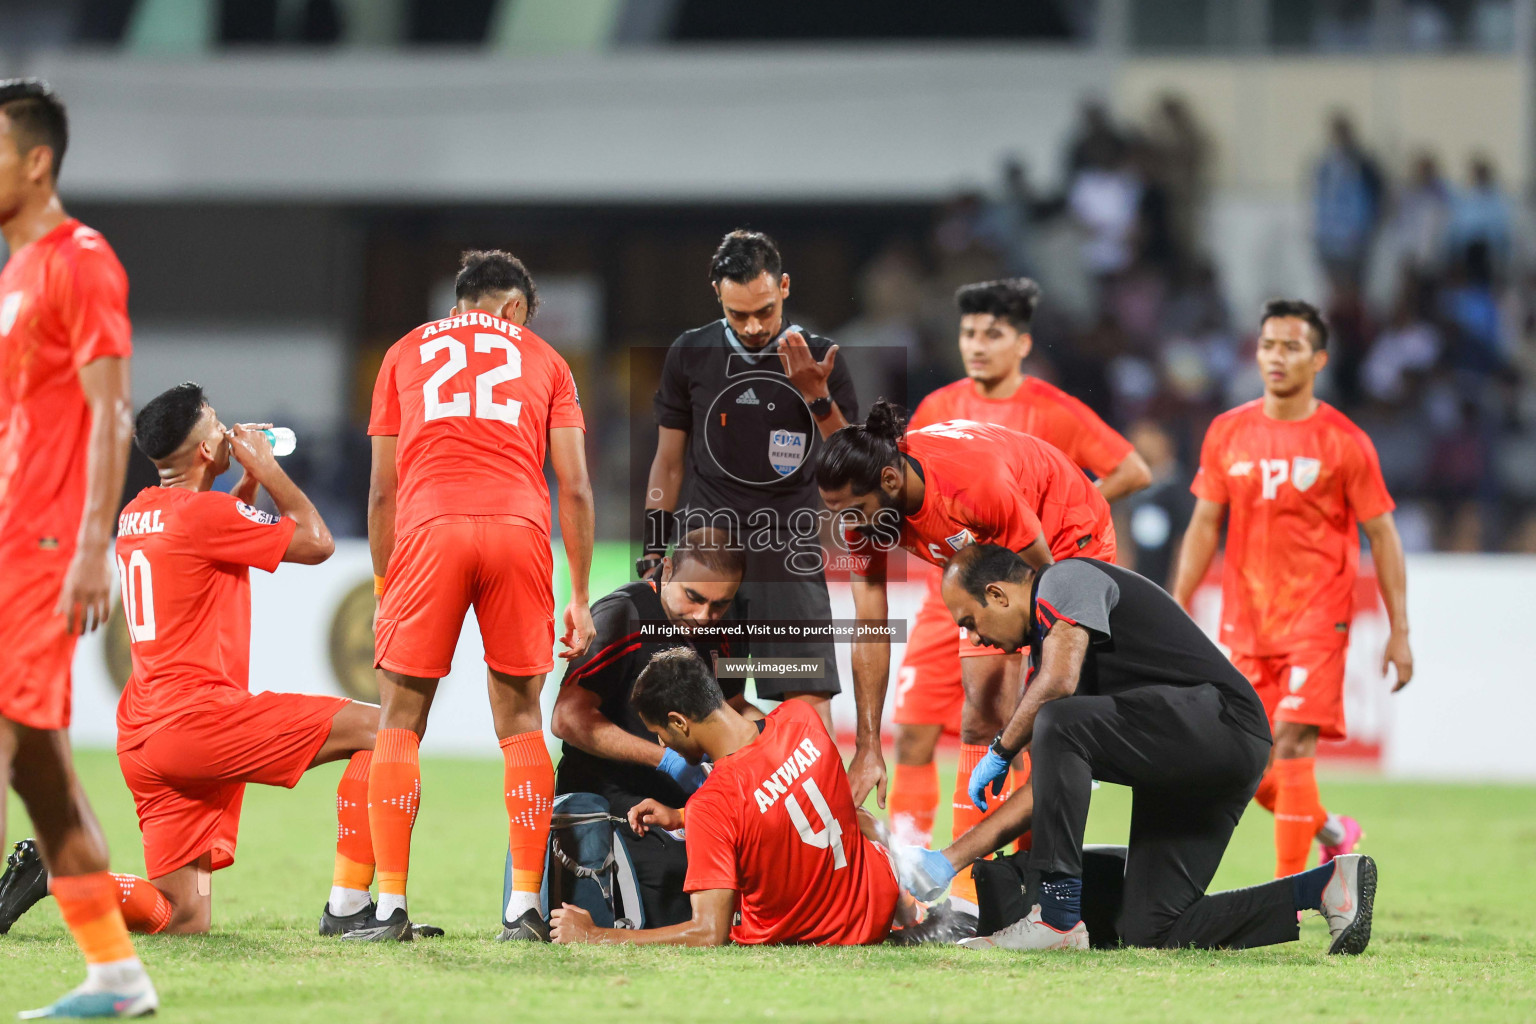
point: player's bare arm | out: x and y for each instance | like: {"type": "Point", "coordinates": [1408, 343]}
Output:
{"type": "Point", "coordinates": [709, 926]}
{"type": "Point", "coordinates": [1392, 575]}
{"type": "Point", "coordinates": [1008, 822]}
{"type": "Point", "coordinates": [1198, 548]}
{"type": "Point", "coordinates": [312, 542]}
{"type": "Point", "coordinates": [383, 484]}
{"type": "Point", "coordinates": [871, 672]}
{"type": "Point", "coordinates": [568, 457]}
{"type": "Point", "coordinates": [662, 487]}
{"type": "Point", "coordinates": [1037, 553]}
{"type": "Point", "coordinates": [87, 594]}
{"type": "Point", "coordinates": [1132, 475]}
{"type": "Point", "coordinates": [810, 378]}
{"type": "Point", "coordinates": [578, 720]}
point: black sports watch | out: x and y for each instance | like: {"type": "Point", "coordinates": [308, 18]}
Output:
{"type": "Point", "coordinates": [1002, 751]}
{"type": "Point", "coordinates": [821, 407]}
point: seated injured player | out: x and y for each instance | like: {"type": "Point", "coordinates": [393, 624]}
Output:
{"type": "Point", "coordinates": [771, 834]}
{"type": "Point", "coordinates": [190, 732]}
{"type": "Point", "coordinates": [1125, 688]}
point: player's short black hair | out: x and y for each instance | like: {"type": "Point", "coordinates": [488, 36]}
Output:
{"type": "Point", "coordinates": [978, 565]}
{"type": "Point", "coordinates": [744, 256]}
{"type": "Point", "coordinates": [1303, 311]}
{"type": "Point", "coordinates": [856, 454]}
{"type": "Point", "coordinates": [37, 117]}
{"type": "Point", "coordinates": [676, 680]}
{"type": "Point", "coordinates": [1012, 299]}
{"type": "Point", "coordinates": [489, 272]}
{"type": "Point", "coordinates": [163, 425]}
{"type": "Point", "coordinates": [712, 549]}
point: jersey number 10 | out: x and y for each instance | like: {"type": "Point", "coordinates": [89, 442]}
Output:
{"type": "Point", "coordinates": [138, 607]}
{"type": "Point", "coordinates": [486, 406]}
{"type": "Point", "coordinates": [830, 834]}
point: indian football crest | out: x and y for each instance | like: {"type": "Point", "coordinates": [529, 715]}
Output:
{"type": "Point", "coordinates": [1304, 472]}
{"type": "Point", "coordinates": [786, 451]}
{"type": "Point", "coordinates": [9, 307]}
{"type": "Point", "coordinates": [959, 540]}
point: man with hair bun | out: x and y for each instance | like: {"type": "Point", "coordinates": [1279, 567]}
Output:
{"type": "Point", "coordinates": [933, 492]}
{"type": "Point", "coordinates": [933, 680]}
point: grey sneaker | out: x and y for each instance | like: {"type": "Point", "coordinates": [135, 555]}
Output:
{"type": "Point", "coordinates": [1031, 933]}
{"type": "Point", "coordinates": [1348, 900]}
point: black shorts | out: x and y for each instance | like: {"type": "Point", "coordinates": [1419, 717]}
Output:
{"type": "Point", "coordinates": [802, 599]}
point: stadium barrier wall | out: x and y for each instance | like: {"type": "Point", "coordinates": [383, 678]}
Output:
{"type": "Point", "coordinates": [1466, 715]}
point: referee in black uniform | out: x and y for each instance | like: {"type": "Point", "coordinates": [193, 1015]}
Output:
{"type": "Point", "coordinates": [743, 407]}
{"type": "Point", "coordinates": [1125, 688]}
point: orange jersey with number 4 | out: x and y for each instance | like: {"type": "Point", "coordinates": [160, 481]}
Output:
{"type": "Point", "coordinates": [1296, 491]}
{"type": "Point", "coordinates": [472, 399]}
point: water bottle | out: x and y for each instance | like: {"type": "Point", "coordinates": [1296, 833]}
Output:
{"type": "Point", "coordinates": [282, 439]}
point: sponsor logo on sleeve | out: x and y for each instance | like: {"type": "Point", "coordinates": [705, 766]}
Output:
{"type": "Point", "coordinates": [256, 515]}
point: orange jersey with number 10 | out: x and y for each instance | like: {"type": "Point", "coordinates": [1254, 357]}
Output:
{"type": "Point", "coordinates": [1295, 492]}
{"type": "Point", "coordinates": [472, 399]}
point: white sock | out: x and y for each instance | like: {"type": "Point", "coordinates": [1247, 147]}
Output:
{"type": "Point", "coordinates": [388, 904]}
{"type": "Point", "coordinates": [1332, 832]}
{"type": "Point", "coordinates": [124, 976]}
{"type": "Point", "coordinates": [346, 902]}
{"type": "Point", "coordinates": [519, 904]}
{"type": "Point", "coordinates": [964, 906]}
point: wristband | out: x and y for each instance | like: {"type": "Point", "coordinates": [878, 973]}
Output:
{"type": "Point", "coordinates": [378, 586]}
{"type": "Point", "coordinates": [1002, 751]}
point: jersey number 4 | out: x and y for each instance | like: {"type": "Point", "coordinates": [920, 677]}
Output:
{"type": "Point", "coordinates": [486, 406]}
{"type": "Point", "coordinates": [830, 834]}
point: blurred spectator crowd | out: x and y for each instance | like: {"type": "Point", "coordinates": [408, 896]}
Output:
{"type": "Point", "coordinates": [1429, 294]}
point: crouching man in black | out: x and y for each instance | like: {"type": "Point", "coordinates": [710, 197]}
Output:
{"type": "Point", "coordinates": [1125, 688]}
{"type": "Point", "coordinates": [608, 750]}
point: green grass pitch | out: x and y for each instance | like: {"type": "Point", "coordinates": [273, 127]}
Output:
{"type": "Point", "coordinates": [1453, 935]}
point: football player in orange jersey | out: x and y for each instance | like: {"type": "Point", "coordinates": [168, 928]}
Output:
{"type": "Point", "coordinates": [995, 339]}
{"type": "Point", "coordinates": [65, 422]}
{"type": "Point", "coordinates": [465, 410]}
{"type": "Point", "coordinates": [1296, 481]}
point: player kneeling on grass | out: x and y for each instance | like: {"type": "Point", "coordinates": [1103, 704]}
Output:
{"type": "Point", "coordinates": [190, 732]}
{"type": "Point", "coordinates": [772, 832]}
{"type": "Point", "coordinates": [1125, 688]}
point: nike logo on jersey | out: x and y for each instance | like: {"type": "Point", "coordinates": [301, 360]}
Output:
{"type": "Point", "coordinates": [1240, 469]}
{"type": "Point", "coordinates": [747, 397]}
{"type": "Point", "coordinates": [777, 784]}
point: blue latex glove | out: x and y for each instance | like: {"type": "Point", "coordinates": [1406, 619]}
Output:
{"type": "Point", "coordinates": [923, 873]}
{"type": "Point", "coordinates": [990, 771]}
{"type": "Point", "coordinates": [688, 776]}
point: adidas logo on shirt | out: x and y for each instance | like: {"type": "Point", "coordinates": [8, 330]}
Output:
{"type": "Point", "coordinates": [748, 397]}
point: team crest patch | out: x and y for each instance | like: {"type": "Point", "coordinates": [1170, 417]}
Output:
{"type": "Point", "coordinates": [255, 515]}
{"type": "Point", "coordinates": [9, 307]}
{"type": "Point", "coordinates": [786, 451]}
{"type": "Point", "coordinates": [959, 540]}
{"type": "Point", "coordinates": [1298, 678]}
{"type": "Point", "coordinates": [1304, 472]}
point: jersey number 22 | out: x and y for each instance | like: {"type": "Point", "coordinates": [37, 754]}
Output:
{"type": "Point", "coordinates": [486, 406]}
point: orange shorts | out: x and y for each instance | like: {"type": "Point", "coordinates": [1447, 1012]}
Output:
{"type": "Point", "coordinates": [188, 777]}
{"type": "Point", "coordinates": [36, 649]}
{"type": "Point", "coordinates": [928, 690]}
{"type": "Point", "coordinates": [1305, 686]}
{"type": "Point", "coordinates": [495, 564]}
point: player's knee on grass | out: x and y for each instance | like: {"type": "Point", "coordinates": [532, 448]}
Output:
{"type": "Point", "coordinates": [189, 891]}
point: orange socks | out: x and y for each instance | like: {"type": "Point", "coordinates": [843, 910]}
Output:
{"type": "Point", "coordinates": [530, 793]}
{"type": "Point", "coordinates": [1265, 797]}
{"type": "Point", "coordinates": [914, 801]}
{"type": "Point", "coordinates": [145, 908]}
{"type": "Point", "coordinates": [1298, 814]}
{"type": "Point", "coordinates": [967, 816]}
{"type": "Point", "coordinates": [354, 839]}
{"type": "Point", "coordinates": [89, 906]}
{"type": "Point", "coordinates": [394, 795]}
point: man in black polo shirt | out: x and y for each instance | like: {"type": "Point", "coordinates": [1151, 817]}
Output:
{"type": "Point", "coordinates": [742, 409]}
{"type": "Point", "coordinates": [608, 750]}
{"type": "Point", "coordinates": [1125, 688]}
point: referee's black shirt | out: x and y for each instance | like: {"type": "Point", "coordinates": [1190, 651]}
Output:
{"type": "Point", "coordinates": [609, 669]}
{"type": "Point", "coordinates": [752, 439]}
